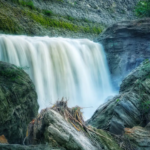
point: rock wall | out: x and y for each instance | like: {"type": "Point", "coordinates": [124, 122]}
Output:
{"type": "Point", "coordinates": [105, 12]}
{"type": "Point", "coordinates": [127, 44]}
{"type": "Point", "coordinates": [66, 18]}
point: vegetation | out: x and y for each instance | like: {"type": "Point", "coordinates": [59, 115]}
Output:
{"type": "Point", "coordinates": [8, 24]}
{"type": "Point", "coordinates": [143, 8]}
{"type": "Point", "coordinates": [47, 12]}
{"type": "Point", "coordinates": [70, 18]}
{"type": "Point", "coordinates": [23, 18]}
{"type": "Point", "coordinates": [28, 3]}
{"type": "Point", "coordinates": [50, 22]}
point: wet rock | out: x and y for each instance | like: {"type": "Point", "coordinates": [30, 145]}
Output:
{"type": "Point", "coordinates": [128, 109]}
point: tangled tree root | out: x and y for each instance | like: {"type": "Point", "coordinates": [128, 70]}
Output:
{"type": "Point", "coordinates": [73, 116]}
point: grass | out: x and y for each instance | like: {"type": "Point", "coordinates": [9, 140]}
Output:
{"type": "Point", "coordinates": [49, 22]}
{"type": "Point", "coordinates": [8, 24]}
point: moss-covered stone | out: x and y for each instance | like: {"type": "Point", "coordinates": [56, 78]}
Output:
{"type": "Point", "coordinates": [18, 102]}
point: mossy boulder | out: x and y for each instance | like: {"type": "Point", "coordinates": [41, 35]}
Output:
{"type": "Point", "coordinates": [18, 102]}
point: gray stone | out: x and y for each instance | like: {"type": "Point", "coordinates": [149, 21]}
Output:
{"type": "Point", "coordinates": [127, 44]}
{"type": "Point", "coordinates": [128, 109]}
{"type": "Point", "coordinates": [23, 147]}
{"type": "Point", "coordinates": [103, 12]}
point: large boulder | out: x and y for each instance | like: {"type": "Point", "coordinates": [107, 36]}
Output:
{"type": "Point", "coordinates": [18, 102]}
{"type": "Point", "coordinates": [126, 44]}
{"type": "Point", "coordinates": [131, 107]}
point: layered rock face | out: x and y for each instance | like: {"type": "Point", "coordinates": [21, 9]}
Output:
{"type": "Point", "coordinates": [104, 12]}
{"type": "Point", "coordinates": [128, 109]}
{"type": "Point", "coordinates": [18, 102]}
{"type": "Point", "coordinates": [127, 44]}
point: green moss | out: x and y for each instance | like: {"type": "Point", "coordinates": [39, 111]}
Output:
{"type": "Point", "coordinates": [109, 144]}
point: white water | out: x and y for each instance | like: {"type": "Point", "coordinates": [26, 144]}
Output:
{"type": "Point", "coordinates": [60, 67]}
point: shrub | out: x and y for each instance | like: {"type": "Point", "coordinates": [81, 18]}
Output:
{"type": "Point", "coordinates": [28, 3]}
{"type": "Point", "coordinates": [142, 9]}
{"type": "Point", "coordinates": [70, 18]}
{"type": "Point", "coordinates": [47, 12]}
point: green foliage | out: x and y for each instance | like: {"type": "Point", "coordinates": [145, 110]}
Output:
{"type": "Point", "coordinates": [85, 20]}
{"type": "Point", "coordinates": [70, 18]}
{"type": "Point", "coordinates": [118, 100]}
{"type": "Point", "coordinates": [143, 8]}
{"type": "Point", "coordinates": [47, 12]}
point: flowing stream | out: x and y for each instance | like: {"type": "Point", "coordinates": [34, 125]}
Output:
{"type": "Point", "coordinates": [61, 67]}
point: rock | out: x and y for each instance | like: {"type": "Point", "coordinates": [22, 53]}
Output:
{"type": "Point", "coordinates": [18, 102]}
{"type": "Point", "coordinates": [87, 15]}
{"type": "Point", "coordinates": [50, 127]}
{"type": "Point", "coordinates": [139, 137]}
{"type": "Point", "coordinates": [127, 45]}
{"type": "Point", "coordinates": [23, 147]}
{"type": "Point", "coordinates": [131, 107]}
{"type": "Point", "coordinates": [107, 12]}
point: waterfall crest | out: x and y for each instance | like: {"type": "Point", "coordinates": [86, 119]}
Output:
{"type": "Point", "coordinates": [61, 67]}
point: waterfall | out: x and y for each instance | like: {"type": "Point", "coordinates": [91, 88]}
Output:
{"type": "Point", "coordinates": [61, 67]}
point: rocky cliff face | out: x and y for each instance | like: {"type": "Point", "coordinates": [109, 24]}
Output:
{"type": "Point", "coordinates": [67, 18]}
{"type": "Point", "coordinates": [127, 44]}
{"type": "Point", "coordinates": [100, 11]}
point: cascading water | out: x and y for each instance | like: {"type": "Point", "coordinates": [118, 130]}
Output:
{"type": "Point", "coordinates": [60, 67]}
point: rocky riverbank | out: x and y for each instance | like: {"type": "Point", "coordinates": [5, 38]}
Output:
{"type": "Point", "coordinates": [121, 123]}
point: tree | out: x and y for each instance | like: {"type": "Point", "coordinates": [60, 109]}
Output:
{"type": "Point", "coordinates": [142, 9]}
